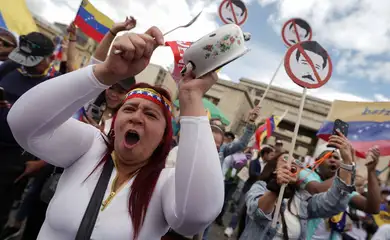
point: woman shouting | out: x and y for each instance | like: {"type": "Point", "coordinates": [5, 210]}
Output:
{"type": "Point", "coordinates": [116, 187]}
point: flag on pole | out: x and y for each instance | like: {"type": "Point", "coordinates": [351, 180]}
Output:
{"type": "Point", "coordinates": [266, 130]}
{"type": "Point", "coordinates": [369, 125]}
{"type": "Point", "coordinates": [15, 16]}
{"type": "Point", "coordinates": [92, 22]}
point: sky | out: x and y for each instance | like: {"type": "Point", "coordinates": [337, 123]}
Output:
{"type": "Point", "coordinates": [355, 33]}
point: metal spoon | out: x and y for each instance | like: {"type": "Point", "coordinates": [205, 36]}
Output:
{"type": "Point", "coordinates": [182, 26]}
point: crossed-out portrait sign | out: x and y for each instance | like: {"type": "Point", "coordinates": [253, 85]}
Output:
{"type": "Point", "coordinates": [233, 11]}
{"type": "Point", "coordinates": [308, 64]}
{"type": "Point", "coordinates": [296, 30]}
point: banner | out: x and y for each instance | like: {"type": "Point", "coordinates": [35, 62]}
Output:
{"type": "Point", "coordinates": [369, 125]}
{"type": "Point", "coordinates": [178, 48]}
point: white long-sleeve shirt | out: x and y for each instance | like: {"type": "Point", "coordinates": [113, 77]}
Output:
{"type": "Point", "coordinates": [187, 198]}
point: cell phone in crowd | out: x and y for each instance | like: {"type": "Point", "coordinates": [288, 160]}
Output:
{"type": "Point", "coordinates": [341, 126]}
{"type": "Point", "coordinates": [2, 94]}
{"type": "Point", "coordinates": [96, 112]}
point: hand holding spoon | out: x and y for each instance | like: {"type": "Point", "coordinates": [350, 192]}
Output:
{"type": "Point", "coordinates": [182, 26]}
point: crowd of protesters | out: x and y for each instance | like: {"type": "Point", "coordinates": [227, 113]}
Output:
{"type": "Point", "coordinates": [57, 134]}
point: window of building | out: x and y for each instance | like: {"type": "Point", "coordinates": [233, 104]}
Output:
{"type": "Point", "coordinates": [259, 93]}
{"type": "Point", "coordinates": [160, 77]}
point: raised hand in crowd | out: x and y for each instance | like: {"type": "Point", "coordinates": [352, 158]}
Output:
{"type": "Point", "coordinates": [69, 48]}
{"type": "Point", "coordinates": [372, 159]}
{"type": "Point", "coordinates": [71, 29]}
{"type": "Point", "coordinates": [104, 46]}
{"type": "Point", "coordinates": [136, 51]}
{"type": "Point", "coordinates": [128, 24]}
{"type": "Point", "coordinates": [253, 114]}
{"type": "Point", "coordinates": [340, 142]}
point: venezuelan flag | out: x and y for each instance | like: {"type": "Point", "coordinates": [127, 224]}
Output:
{"type": "Point", "coordinates": [15, 16]}
{"type": "Point", "coordinates": [369, 125]}
{"type": "Point", "coordinates": [267, 128]}
{"type": "Point", "coordinates": [92, 22]}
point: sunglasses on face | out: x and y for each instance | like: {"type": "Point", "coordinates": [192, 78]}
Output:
{"type": "Point", "coordinates": [297, 162]}
{"type": "Point", "coordinates": [6, 43]}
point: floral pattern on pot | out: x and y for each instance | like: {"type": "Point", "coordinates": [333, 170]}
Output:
{"type": "Point", "coordinates": [221, 46]}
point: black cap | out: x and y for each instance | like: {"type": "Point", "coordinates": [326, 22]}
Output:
{"type": "Point", "coordinates": [33, 48]}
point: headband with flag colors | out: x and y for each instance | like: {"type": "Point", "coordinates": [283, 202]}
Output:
{"type": "Point", "coordinates": [151, 95]}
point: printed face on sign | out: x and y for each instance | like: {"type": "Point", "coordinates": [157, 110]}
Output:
{"type": "Point", "coordinates": [236, 11]}
{"type": "Point", "coordinates": [309, 64]}
{"type": "Point", "coordinates": [296, 30]}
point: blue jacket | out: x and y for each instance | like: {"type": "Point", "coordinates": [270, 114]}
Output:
{"type": "Point", "coordinates": [322, 205]}
{"type": "Point", "coordinates": [237, 146]}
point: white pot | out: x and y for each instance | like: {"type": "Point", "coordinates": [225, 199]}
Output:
{"type": "Point", "coordinates": [215, 50]}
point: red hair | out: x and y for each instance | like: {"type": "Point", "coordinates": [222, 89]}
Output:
{"type": "Point", "coordinates": [144, 183]}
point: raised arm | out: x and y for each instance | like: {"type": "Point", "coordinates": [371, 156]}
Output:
{"type": "Point", "coordinates": [260, 202]}
{"type": "Point", "coordinates": [237, 146]}
{"type": "Point", "coordinates": [332, 202]}
{"type": "Point", "coordinates": [104, 46]}
{"type": "Point", "coordinates": [41, 119]}
{"type": "Point", "coordinates": [193, 196]}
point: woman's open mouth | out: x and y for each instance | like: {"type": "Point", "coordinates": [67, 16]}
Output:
{"type": "Point", "coordinates": [333, 168]}
{"type": "Point", "coordinates": [131, 139]}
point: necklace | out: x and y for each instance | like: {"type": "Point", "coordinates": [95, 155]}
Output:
{"type": "Point", "coordinates": [113, 192]}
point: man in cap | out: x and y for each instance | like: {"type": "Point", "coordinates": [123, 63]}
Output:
{"type": "Point", "coordinates": [28, 65]}
{"type": "Point", "coordinates": [8, 42]}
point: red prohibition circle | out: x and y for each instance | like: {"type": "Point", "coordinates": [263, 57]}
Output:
{"type": "Point", "coordinates": [234, 16]}
{"type": "Point", "coordinates": [298, 81]}
{"type": "Point", "coordinates": [286, 42]}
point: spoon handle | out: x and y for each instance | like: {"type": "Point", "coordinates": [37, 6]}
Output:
{"type": "Point", "coordinates": [118, 51]}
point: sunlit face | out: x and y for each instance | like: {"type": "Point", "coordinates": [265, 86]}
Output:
{"type": "Point", "coordinates": [139, 129]}
{"type": "Point", "coordinates": [115, 96]}
{"type": "Point", "coordinates": [307, 73]}
{"type": "Point", "coordinates": [330, 166]}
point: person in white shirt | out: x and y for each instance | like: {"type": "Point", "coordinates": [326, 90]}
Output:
{"type": "Point", "coordinates": [142, 199]}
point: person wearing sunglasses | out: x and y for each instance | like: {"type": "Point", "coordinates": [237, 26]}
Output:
{"type": "Point", "coordinates": [297, 206]}
{"type": "Point", "coordinates": [8, 42]}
